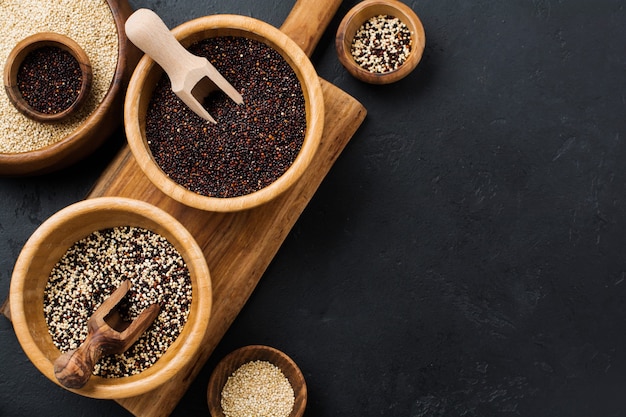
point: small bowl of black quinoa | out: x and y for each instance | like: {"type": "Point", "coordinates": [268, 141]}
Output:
{"type": "Point", "coordinates": [78, 257]}
{"type": "Point", "coordinates": [48, 77]}
{"type": "Point", "coordinates": [256, 150]}
{"type": "Point", "coordinates": [69, 129]}
{"type": "Point", "coordinates": [380, 41]}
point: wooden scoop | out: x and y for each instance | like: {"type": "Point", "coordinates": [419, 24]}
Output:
{"type": "Point", "coordinates": [192, 77]}
{"type": "Point", "coordinates": [107, 334]}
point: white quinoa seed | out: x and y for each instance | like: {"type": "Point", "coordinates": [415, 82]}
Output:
{"type": "Point", "coordinates": [93, 268]}
{"type": "Point", "coordinates": [88, 22]}
{"type": "Point", "coordinates": [257, 389]}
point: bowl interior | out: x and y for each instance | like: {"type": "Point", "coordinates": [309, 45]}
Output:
{"type": "Point", "coordinates": [364, 11]}
{"type": "Point", "coordinates": [243, 355]}
{"type": "Point", "coordinates": [148, 73]}
{"type": "Point", "coordinates": [50, 242]}
{"type": "Point", "coordinates": [22, 50]}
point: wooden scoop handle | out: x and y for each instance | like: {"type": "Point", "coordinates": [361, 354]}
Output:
{"type": "Point", "coordinates": [74, 368]}
{"type": "Point", "coordinates": [149, 33]}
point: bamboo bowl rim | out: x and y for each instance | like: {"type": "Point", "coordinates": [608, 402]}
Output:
{"type": "Point", "coordinates": [30, 44]}
{"type": "Point", "coordinates": [52, 239]}
{"type": "Point", "coordinates": [147, 73]}
{"type": "Point", "coordinates": [231, 362]}
{"type": "Point", "coordinates": [358, 15]}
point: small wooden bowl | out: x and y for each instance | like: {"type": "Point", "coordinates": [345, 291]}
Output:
{"type": "Point", "coordinates": [243, 355]}
{"type": "Point", "coordinates": [96, 127]}
{"type": "Point", "coordinates": [22, 50]}
{"type": "Point", "coordinates": [52, 240]}
{"type": "Point", "coordinates": [148, 73]}
{"type": "Point", "coordinates": [364, 11]}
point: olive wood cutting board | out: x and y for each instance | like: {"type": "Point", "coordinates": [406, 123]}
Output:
{"type": "Point", "coordinates": [239, 246]}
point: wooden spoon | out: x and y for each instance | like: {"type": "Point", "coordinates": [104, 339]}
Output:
{"type": "Point", "coordinates": [192, 77]}
{"type": "Point", "coordinates": [107, 334]}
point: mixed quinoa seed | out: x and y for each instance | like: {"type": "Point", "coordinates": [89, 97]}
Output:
{"type": "Point", "coordinates": [93, 268]}
{"type": "Point", "coordinates": [252, 144]}
{"type": "Point", "coordinates": [382, 44]}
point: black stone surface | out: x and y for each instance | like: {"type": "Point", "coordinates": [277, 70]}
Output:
{"type": "Point", "coordinates": [465, 255]}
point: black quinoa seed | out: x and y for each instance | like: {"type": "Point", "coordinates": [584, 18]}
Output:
{"type": "Point", "coordinates": [49, 79]}
{"type": "Point", "coordinates": [252, 144]}
{"type": "Point", "coordinates": [93, 268]}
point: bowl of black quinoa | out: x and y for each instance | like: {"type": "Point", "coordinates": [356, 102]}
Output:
{"type": "Point", "coordinates": [256, 150]}
{"type": "Point", "coordinates": [48, 76]}
{"type": "Point", "coordinates": [380, 41]}
{"type": "Point", "coordinates": [78, 257]}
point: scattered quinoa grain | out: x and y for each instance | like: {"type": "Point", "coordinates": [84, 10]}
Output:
{"type": "Point", "coordinates": [382, 44]}
{"type": "Point", "coordinates": [257, 388]}
{"type": "Point", "coordinates": [88, 22]}
{"type": "Point", "coordinates": [93, 268]}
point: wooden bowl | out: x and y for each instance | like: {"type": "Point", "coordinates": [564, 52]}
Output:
{"type": "Point", "coordinates": [50, 242]}
{"type": "Point", "coordinates": [147, 74]}
{"type": "Point", "coordinates": [243, 355]}
{"type": "Point", "coordinates": [96, 127]}
{"type": "Point", "coordinates": [22, 50]}
{"type": "Point", "coordinates": [364, 11]}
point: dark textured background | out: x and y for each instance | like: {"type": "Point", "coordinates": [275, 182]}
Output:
{"type": "Point", "coordinates": [465, 255]}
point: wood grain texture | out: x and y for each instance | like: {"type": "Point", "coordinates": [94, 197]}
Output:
{"type": "Point", "coordinates": [238, 246]}
{"type": "Point", "coordinates": [307, 20]}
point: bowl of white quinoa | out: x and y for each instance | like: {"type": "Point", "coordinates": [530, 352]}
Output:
{"type": "Point", "coordinates": [380, 41]}
{"type": "Point", "coordinates": [257, 380]}
{"type": "Point", "coordinates": [31, 147]}
{"type": "Point", "coordinates": [78, 257]}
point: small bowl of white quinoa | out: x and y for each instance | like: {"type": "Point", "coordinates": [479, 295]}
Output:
{"type": "Point", "coordinates": [78, 257]}
{"type": "Point", "coordinates": [257, 380]}
{"type": "Point", "coordinates": [380, 41]}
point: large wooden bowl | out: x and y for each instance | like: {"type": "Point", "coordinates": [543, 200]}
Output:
{"type": "Point", "coordinates": [243, 355]}
{"type": "Point", "coordinates": [96, 127]}
{"type": "Point", "coordinates": [50, 242]}
{"type": "Point", "coordinates": [147, 73]}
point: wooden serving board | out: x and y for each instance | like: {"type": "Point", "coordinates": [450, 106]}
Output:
{"type": "Point", "coordinates": [239, 246]}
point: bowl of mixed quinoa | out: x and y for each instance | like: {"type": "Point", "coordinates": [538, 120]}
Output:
{"type": "Point", "coordinates": [380, 41]}
{"type": "Point", "coordinates": [78, 257]}
{"type": "Point", "coordinates": [256, 150]}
